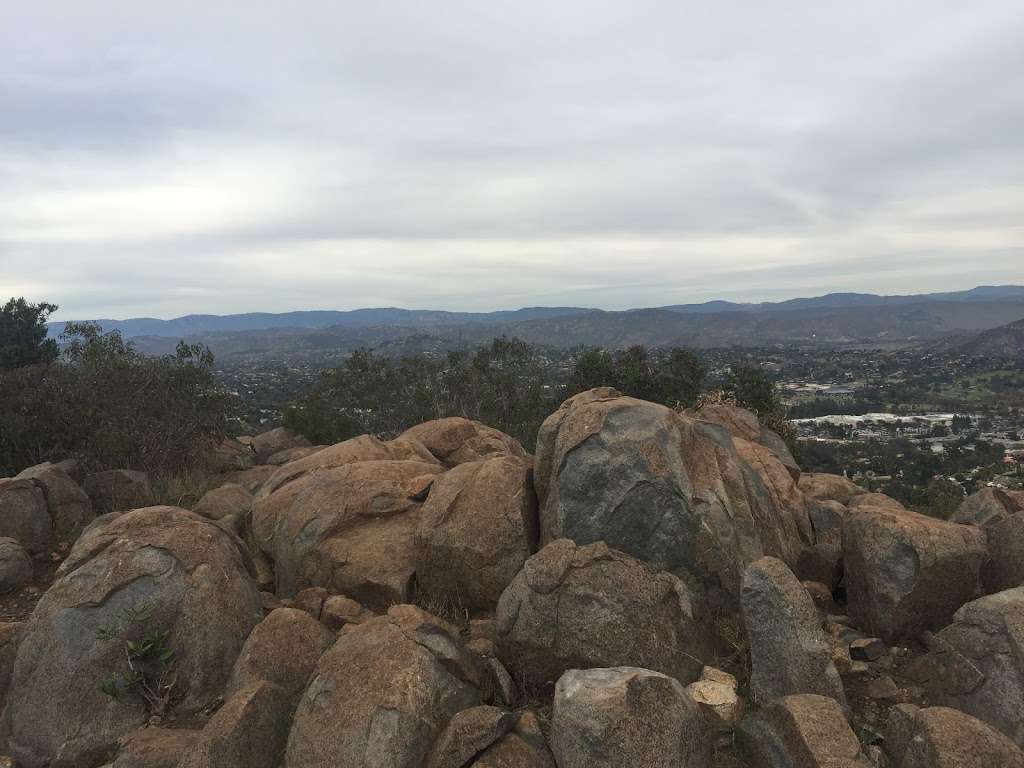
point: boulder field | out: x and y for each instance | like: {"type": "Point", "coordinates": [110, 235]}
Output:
{"type": "Point", "coordinates": [653, 588]}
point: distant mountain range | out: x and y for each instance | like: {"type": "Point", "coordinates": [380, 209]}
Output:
{"type": "Point", "coordinates": [834, 319]}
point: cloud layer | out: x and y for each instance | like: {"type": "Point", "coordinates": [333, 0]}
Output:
{"type": "Point", "coordinates": [220, 157]}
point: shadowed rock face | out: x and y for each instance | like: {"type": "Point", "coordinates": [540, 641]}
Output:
{"type": "Point", "coordinates": [946, 738]}
{"type": "Point", "coordinates": [24, 516]}
{"type": "Point", "coordinates": [456, 440]}
{"type": "Point", "coordinates": [666, 488]}
{"type": "Point", "coordinates": [69, 506]}
{"type": "Point", "coordinates": [159, 569]}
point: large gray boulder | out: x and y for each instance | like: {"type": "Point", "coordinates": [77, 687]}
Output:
{"type": "Point", "coordinates": [905, 572]}
{"type": "Point", "coordinates": [979, 662]}
{"type": "Point", "coordinates": [788, 650]}
{"type": "Point", "coordinates": [801, 731]}
{"type": "Point", "coordinates": [476, 529]}
{"type": "Point", "coordinates": [947, 738]}
{"type": "Point", "coordinates": [624, 716]}
{"type": "Point", "coordinates": [69, 506]}
{"type": "Point", "coordinates": [16, 567]}
{"type": "Point", "coordinates": [349, 530]}
{"type": "Point", "coordinates": [382, 693]}
{"type": "Point", "coordinates": [456, 440]}
{"type": "Point", "coordinates": [664, 487]}
{"type": "Point", "coordinates": [118, 490]}
{"type": "Point", "coordinates": [24, 516]}
{"type": "Point", "coordinates": [574, 606]}
{"type": "Point", "coordinates": [158, 572]}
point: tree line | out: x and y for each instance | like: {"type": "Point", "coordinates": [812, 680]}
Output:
{"type": "Point", "coordinates": [509, 384]}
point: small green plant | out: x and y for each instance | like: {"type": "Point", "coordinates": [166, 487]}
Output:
{"type": "Point", "coordinates": [147, 669]}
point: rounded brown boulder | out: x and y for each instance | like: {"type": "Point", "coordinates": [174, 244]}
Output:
{"type": "Point", "coordinates": [456, 440]}
{"type": "Point", "coordinates": [591, 606]}
{"type": "Point", "coordinates": [476, 529]}
{"type": "Point", "coordinates": [24, 516]}
{"type": "Point", "coordinates": [159, 574]}
{"type": "Point", "coordinates": [349, 530]}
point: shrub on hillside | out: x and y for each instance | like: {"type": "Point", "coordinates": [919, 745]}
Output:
{"type": "Point", "coordinates": [108, 405]}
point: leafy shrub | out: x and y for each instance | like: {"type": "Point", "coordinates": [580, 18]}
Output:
{"type": "Point", "coordinates": [111, 406]}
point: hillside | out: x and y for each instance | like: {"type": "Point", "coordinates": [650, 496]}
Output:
{"type": "Point", "coordinates": [189, 325]}
{"type": "Point", "coordinates": [913, 323]}
{"type": "Point", "coordinates": [1004, 341]}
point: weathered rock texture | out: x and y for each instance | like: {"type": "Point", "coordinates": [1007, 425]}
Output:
{"type": "Point", "coordinates": [667, 488]}
{"type": "Point", "coordinates": [15, 565]}
{"type": "Point", "coordinates": [906, 572]}
{"type": "Point", "coordinates": [1005, 566]}
{"type": "Point", "coordinates": [788, 650]}
{"type": "Point", "coordinates": [821, 486]}
{"type": "Point", "coordinates": [456, 440]}
{"type": "Point", "coordinates": [349, 530]}
{"type": "Point", "coordinates": [801, 731]}
{"type": "Point", "coordinates": [267, 444]}
{"type": "Point", "coordinates": [24, 516]}
{"type": "Point", "coordinates": [590, 606]}
{"type": "Point", "coordinates": [69, 507]}
{"type": "Point", "coordinates": [382, 693]}
{"type": "Point", "coordinates": [228, 499]}
{"type": "Point", "coordinates": [624, 716]}
{"type": "Point", "coordinates": [947, 738]}
{"type": "Point", "coordinates": [979, 662]}
{"type": "Point", "coordinates": [154, 570]}
{"type": "Point", "coordinates": [476, 529]}
{"type": "Point", "coordinates": [986, 506]}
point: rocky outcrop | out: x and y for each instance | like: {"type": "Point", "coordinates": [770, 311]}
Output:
{"type": "Point", "coordinates": [154, 747]}
{"type": "Point", "coordinates": [522, 747]}
{"type": "Point", "coordinates": [11, 634]}
{"type": "Point", "coordinates": [231, 455]}
{"type": "Point", "coordinates": [978, 662]}
{"type": "Point", "coordinates": [252, 479]}
{"type": "Point", "coordinates": [986, 506]}
{"type": "Point", "coordinates": [228, 499]}
{"type": "Point", "coordinates": [467, 734]}
{"type": "Point", "coordinates": [293, 454]}
{"type": "Point", "coordinates": [946, 738]}
{"type": "Point", "coordinates": [804, 730]}
{"type": "Point", "coordinates": [267, 444]}
{"type": "Point", "coordinates": [349, 530]}
{"type": "Point", "coordinates": [160, 573]}
{"type": "Point", "coordinates": [69, 507]}
{"type": "Point", "coordinates": [788, 650]}
{"type": "Point", "coordinates": [383, 692]}
{"type": "Point", "coordinates": [666, 488]}
{"type": "Point", "coordinates": [591, 606]}
{"type": "Point", "coordinates": [476, 529]}
{"type": "Point", "coordinates": [24, 516]}
{"type": "Point", "coordinates": [15, 565]}
{"type": "Point", "coordinates": [625, 716]}
{"type": "Point", "coordinates": [906, 572]}
{"type": "Point", "coordinates": [118, 490]}
{"type": "Point", "coordinates": [456, 440]}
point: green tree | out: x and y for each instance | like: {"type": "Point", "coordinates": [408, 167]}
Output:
{"type": "Point", "coordinates": [23, 338]}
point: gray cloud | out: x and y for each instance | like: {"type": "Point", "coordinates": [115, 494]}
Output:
{"type": "Point", "coordinates": [228, 156]}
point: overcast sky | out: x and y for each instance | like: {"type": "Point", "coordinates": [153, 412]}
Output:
{"type": "Point", "coordinates": [166, 158]}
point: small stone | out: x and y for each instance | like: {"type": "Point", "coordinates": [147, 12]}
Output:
{"type": "Point", "coordinates": [883, 689]}
{"type": "Point", "coordinates": [715, 692]}
{"type": "Point", "coordinates": [867, 649]}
